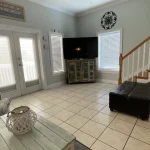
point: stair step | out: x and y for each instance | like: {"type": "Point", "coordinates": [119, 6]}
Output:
{"type": "Point", "coordinates": [145, 78]}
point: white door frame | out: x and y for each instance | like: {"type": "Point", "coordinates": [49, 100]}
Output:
{"type": "Point", "coordinates": [5, 27]}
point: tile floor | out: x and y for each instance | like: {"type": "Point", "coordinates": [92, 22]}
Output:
{"type": "Point", "coordinates": [82, 110]}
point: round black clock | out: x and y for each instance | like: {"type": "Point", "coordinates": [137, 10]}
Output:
{"type": "Point", "coordinates": [108, 20]}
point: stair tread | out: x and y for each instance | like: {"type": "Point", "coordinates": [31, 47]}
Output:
{"type": "Point", "coordinates": [142, 77]}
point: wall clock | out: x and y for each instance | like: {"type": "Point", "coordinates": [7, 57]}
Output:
{"type": "Point", "coordinates": [108, 20]}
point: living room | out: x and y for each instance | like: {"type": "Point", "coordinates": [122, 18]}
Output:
{"type": "Point", "coordinates": [35, 75]}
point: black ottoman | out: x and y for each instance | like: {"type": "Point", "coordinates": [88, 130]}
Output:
{"type": "Point", "coordinates": [118, 97]}
{"type": "Point", "coordinates": [139, 101]}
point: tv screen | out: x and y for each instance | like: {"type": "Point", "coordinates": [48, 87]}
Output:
{"type": "Point", "coordinates": [76, 48]}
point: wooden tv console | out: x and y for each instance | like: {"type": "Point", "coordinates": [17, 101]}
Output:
{"type": "Point", "coordinates": [80, 71]}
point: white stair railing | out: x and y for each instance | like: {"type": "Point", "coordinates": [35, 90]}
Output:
{"type": "Point", "coordinates": [134, 64]}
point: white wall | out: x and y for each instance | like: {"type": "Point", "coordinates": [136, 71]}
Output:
{"type": "Point", "coordinates": [133, 17]}
{"type": "Point", "coordinates": [45, 19]}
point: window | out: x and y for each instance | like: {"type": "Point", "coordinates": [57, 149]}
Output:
{"type": "Point", "coordinates": [109, 50]}
{"type": "Point", "coordinates": [57, 53]}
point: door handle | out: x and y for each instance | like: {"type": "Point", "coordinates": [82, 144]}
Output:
{"type": "Point", "coordinates": [20, 65]}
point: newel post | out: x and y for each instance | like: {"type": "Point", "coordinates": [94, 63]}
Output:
{"type": "Point", "coordinates": [120, 69]}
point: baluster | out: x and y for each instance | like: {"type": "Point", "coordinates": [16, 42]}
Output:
{"type": "Point", "coordinates": [128, 75]}
{"type": "Point", "coordinates": [123, 71]}
{"type": "Point", "coordinates": [149, 57]}
{"type": "Point", "coordinates": [120, 69]}
{"type": "Point", "coordinates": [143, 59]}
{"type": "Point", "coordinates": [133, 66]}
{"type": "Point", "coordinates": [138, 61]}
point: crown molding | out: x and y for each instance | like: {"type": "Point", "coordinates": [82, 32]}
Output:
{"type": "Point", "coordinates": [86, 12]}
{"type": "Point", "coordinates": [45, 4]}
{"type": "Point", "coordinates": [105, 6]}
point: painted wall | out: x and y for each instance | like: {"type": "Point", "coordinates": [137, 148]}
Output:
{"type": "Point", "coordinates": [45, 19]}
{"type": "Point", "coordinates": [133, 17]}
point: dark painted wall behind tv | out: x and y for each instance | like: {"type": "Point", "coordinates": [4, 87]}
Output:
{"type": "Point", "coordinates": [88, 46]}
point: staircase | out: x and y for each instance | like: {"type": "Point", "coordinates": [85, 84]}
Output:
{"type": "Point", "coordinates": [135, 65]}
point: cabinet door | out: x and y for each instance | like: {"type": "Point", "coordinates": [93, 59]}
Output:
{"type": "Point", "coordinates": [71, 72]}
{"type": "Point", "coordinates": [91, 71]}
{"type": "Point", "coordinates": [78, 71]}
{"type": "Point", "coordinates": [85, 71]}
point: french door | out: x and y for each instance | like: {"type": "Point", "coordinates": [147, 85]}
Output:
{"type": "Point", "coordinates": [19, 64]}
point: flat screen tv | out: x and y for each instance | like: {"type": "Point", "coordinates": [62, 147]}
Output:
{"type": "Point", "coordinates": [77, 48]}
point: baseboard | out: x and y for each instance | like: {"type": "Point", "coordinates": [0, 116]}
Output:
{"type": "Point", "coordinates": [55, 85]}
{"type": "Point", "coordinates": [108, 81]}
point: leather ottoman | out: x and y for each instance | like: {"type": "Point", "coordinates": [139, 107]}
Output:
{"type": "Point", "coordinates": [139, 101]}
{"type": "Point", "coordinates": [132, 98]}
{"type": "Point", "coordinates": [118, 97]}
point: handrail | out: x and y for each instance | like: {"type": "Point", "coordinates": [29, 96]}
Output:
{"type": "Point", "coordinates": [121, 58]}
{"type": "Point", "coordinates": [147, 39]}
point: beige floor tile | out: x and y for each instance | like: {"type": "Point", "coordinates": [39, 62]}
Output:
{"type": "Point", "coordinates": [64, 104]}
{"type": "Point", "coordinates": [55, 120]}
{"type": "Point", "coordinates": [84, 103]}
{"type": "Point", "coordinates": [65, 97]}
{"type": "Point", "coordinates": [98, 145]}
{"type": "Point", "coordinates": [35, 101]}
{"type": "Point", "coordinates": [68, 128]}
{"type": "Point", "coordinates": [103, 119]}
{"type": "Point", "coordinates": [56, 101]}
{"type": "Point", "coordinates": [71, 94]}
{"type": "Point", "coordinates": [64, 115]}
{"type": "Point", "coordinates": [54, 110]}
{"type": "Point", "coordinates": [74, 99]}
{"type": "Point", "coordinates": [141, 133]}
{"type": "Point", "coordinates": [57, 94]}
{"type": "Point", "coordinates": [102, 101]}
{"type": "Point", "coordinates": [134, 144]}
{"type": "Point", "coordinates": [96, 106]}
{"type": "Point", "coordinates": [122, 126]}
{"type": "Point", "coordinates": [93, 129]}
{"type": "Point", "coordinates": [87, 113]}
{"type": "Point", "coordinates": [75, 108]}
{"type": "Point", "coordinates": [48, 98]}
{"type": "Point", "coordinates": [38, 94]}
{"type": "Point", "coordinates": [126, 117]}
{"type": "Point", "coordinates": [44, 114]}
{"type": "Point", "coordinates": [112, 85]}
{"type": "Point", "coordinates": [97, 95]}
{"type": "Point", "coordinates": [81, 95]}
{"type": "Point", "coordinates": [84, 138]}
{"type": "Point", "coordinates": [107, 111]}
{"type": "Point", "coordinates": [105, 97]}
{"type": "Point", "coordinates": [142, 123]}
{"type": "Point", "coordinates": [35, 109]}
{"type": "Point", "coordinates": [91, 98]}
{"type": "Point", "coordinates": [77, 121]}
{"type": "Point", "coordinates": [114, 138]}
{"type": "Point", "coordinates": [20, 102]}
{"type": "Point", "coordinates": [44, 105]}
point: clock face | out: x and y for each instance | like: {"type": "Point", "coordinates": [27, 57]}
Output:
{"type": "Point", "coordinates": [109, 20]}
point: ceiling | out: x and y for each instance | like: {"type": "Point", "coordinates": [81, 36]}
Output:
{"type": "Point", "coordinates": [76, 7]}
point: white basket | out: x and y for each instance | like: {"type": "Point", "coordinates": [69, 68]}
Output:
{"type": "Point", "coordinates": [21, 120]}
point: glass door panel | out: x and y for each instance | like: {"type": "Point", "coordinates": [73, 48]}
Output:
{"type": "Point", "coordinates": [30, 69]}
{"type": "Point", "coordinates": [7, 77]}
